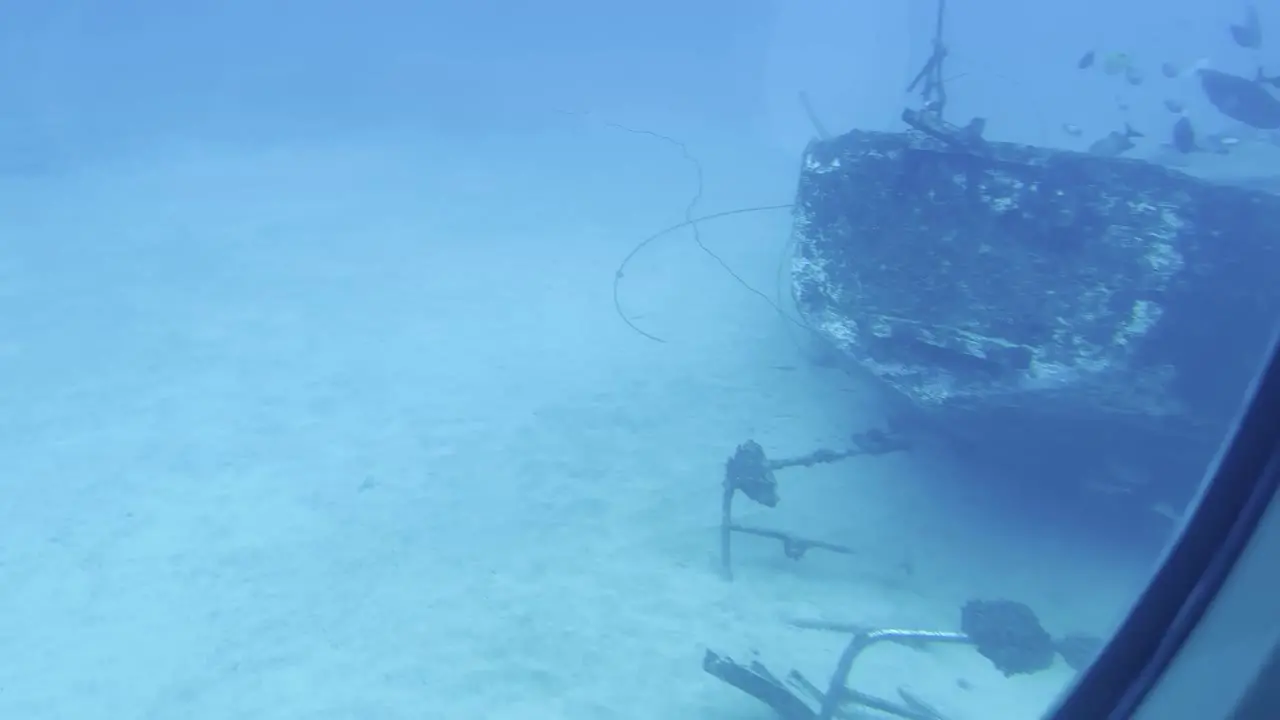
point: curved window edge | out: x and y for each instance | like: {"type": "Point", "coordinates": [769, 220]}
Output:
{"type": "Point", "coordinates": [1194, 570]}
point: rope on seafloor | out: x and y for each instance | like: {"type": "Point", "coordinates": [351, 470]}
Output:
{"type": "Point", "coordinates": [691, 222]}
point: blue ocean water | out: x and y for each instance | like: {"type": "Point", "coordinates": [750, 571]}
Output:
{"type": "Point", "coordinates": [324, 397]}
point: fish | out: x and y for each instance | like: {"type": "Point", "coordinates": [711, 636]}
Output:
{"type": "Point", "coordinates": [1248, 34]}
{"type": "Point", "coordinates": [1116, 142]}
{"type": "Point", "coordinates": [1086, 61]}
{"type": "Point", "coordinates": [1170, 70]}
{"type": "Point", "coordinates": [1184, 136]}
{"type": "Point", "coordinates": [1242, 99]}
{"type": "Point", "coordinates": [1071, 129]}
{"type": "Point", "coordinates": [1174, 106]}
{"type": "Point", "coordinates": [1116, 63]}
{"type": "Point", "coordinates": [1133, 75]}
{"type": "Point", "coordinates": [1218, 143]}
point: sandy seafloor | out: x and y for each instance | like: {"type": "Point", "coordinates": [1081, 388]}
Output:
{"type": "Point", "coordinates": [352, 431]}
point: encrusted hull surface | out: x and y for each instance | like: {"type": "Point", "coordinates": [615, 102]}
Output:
{"type": "Point", "coordinates": [1037, 281]}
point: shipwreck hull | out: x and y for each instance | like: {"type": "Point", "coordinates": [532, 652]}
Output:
{"type": "Point", "coordinates": [1017, 282]}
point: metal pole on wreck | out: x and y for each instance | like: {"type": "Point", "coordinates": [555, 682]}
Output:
{"type": "Point", "coordinates": [933, 93]}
